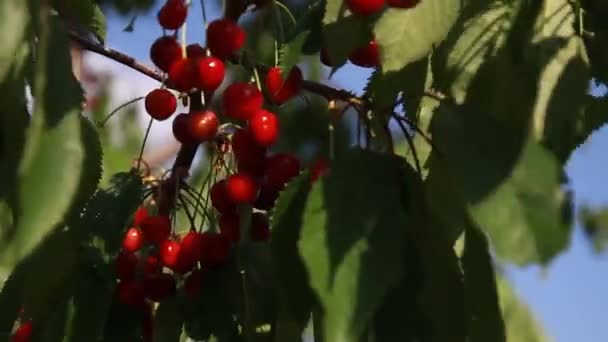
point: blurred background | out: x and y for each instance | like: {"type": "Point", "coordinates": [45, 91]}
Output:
{"type": "Point", "coordinates": [564, 302]}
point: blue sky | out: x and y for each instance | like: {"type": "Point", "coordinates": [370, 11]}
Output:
{"type": "Point", "coordinates": [569, 298]}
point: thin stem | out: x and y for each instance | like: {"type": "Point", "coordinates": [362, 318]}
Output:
{"type": "Point", "coordinates": [249, 330]}
{"type": "Point", "coordinates": [332, 142]}
{"type": "Point", "coordinates": [284, 8]}
{"type": "Point", "coordinates": [117, 109]}
{"type": "Point", "coordinates": [183, 39]}
{"type": "Point", "coordinates": [190, 216]}
{"type": "Point", "coordinates": [411, 145]}
{"type": "Point", "coordinates": [419, 131]}
{"type": "Point", "coordinates": [205, 182]}
{"type": "Point", "coordinates": [204, 14]}
{"type": "Point", "coordinates": [143, 145]}
{"type": "Point", "coordinates": [256, 76]}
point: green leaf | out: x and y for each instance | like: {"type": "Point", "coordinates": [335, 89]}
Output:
{"type": "Point", "coordinates": [595, 225]}
{"type": "Point", "coordinates": [54, 155]}
{"type": "Point", "coordinates": [169, 319]}
{"type": "Point", "coordinates": [15, 20]}
{"type": "Point", "coordinates": [343, 33]}
{"type": "Point", "coordinates": [83, 16]}
{"type": "Point", "coordinates": [485, 318]}
{"type": "Point", "coordinates": [353, 231]}
{"type": "Point", "coordinates": [11, 297]}
{"type": "Point", "coordinates": [290, 52]}
{"type": "Point", "coordinates": [519, 320]}
{"type": "Point", "coordinates": [408, 36]}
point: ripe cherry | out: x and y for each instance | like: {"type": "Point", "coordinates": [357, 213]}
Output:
{"type": "Point", "coordinates": [152, 266]}
{"type": "Point", "coordinates": [126, 264]}
{"type": "Point", "coordinates": [267, 197]}
{"type": "Point", "coordinates": [367, 56]}
{"type": "Point", "coordinates": [242, 100]}
{"type": "Point", "coordinates": [280, 90]}
{"type": "Point", "coordinates": [220, 200]}
{"type": "Point", "coordinates": [160, 104]}
{"type": "Point", "coordinates": [280, 169]}
{"type": "Point", "coordinates": [195, 127]}
{"type": "Point", "coordinates": [191, 244]}
{"type": "Point", "coordinates": [194, 283]}
{"type": "Point", "coordinates": [159, 287]}
{"type": "Point", "coordinates": [224, 38]}
{"type": "Point", "coordinates": [140, 214]}
{"type": "Point", "coordinates": [183, 74]}
{"type": "Point", "coordinates": [173, 14]}
{"type": "Point", "coordinates": [169, 253]}
{"type": "Point", "coordinates": [215, 249]}
{"type": "Point", "coordinates": [23, 333]}
{"type": "Point", "coordinates": [260, 230]}
{"type": "Point", "coordinates": [133, 240]}
{"type": "Point", "coordinates": [210, 73]}
{"type": "Point", "coordinates": [229, 226]}
{"type": "Point", "coordinates": [365, 7]}
{"type": "Point", "coordinates": [319, 169]}
{"type": "Point", "coordinates": [403, 3]}
{"type": "Point", "coordinates": [156, 229]}
{"type": "Point", "coordinates": [131, 292]}
{"type": "Point", "coordinates": [241, 188]}
{"type": "Point", "coordinates": [164, 52]}
{"type": "Point", "coordinates": [264, 128]}
{"type": "Point", "coordinates": [195, 51]}
{"type": "Point", "coordinates": [250, 157]}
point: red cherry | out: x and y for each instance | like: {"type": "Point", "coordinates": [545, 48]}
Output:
{"type": "Point", "coordinates": [159, 287]}
{"type": "Point", "coordinates": [172, 15]}
{"type": "Point", "coordinates": [229, 226]}
{"type": "Point", "coordinates": [264, 128]}
{"type": "Point", "coordinates": [403, 3]}
{"type": "Point", "coordinates": [191, 245]}
{"type": "Point", "coordinates": [250, 156]}
{"type": "Point", "coordinates": [210, 73]}
{"type": "Point", "coordinates": [267, 197]}
{"type": "Point", "coordinates": [260, 230]}
{"type": "Point", "coordinates": [183, 74]}
{"type": "Point", "coordinates": [195, 51]}
{"type": "Point", "coordinates": [194, 283]}
{"type": "Point", "coordinates": [160, 104]}
{"type": "Point", "coordinates": [156, 229]}
{"type": "Point", "coordinates": [152, 266]}
{"type": "Point", "coordinates": [319, 169]}
{"type": "Point", "coordinates": [215, 249]}
{"type": "Point", "coordinates": [169, 253]}
{"type": "Point", "coordinates": [224, 38]}
{"type": "Point", "coordinates": [367, 56]}
{"type": "Point", "coordinates": [242, 100]}
{"type": "Point", "coordinates": [325, 57]}
{"type": "Point", "coordinates": [195, 127]}
{"type": "Point", "coordinates": [220, 200]}
{"type": "Point", "coordinates": [164, 52]}
{"type": "Point", "coordinates": [126, 263]}
{"type": "Point", "coordinates": [133, 240]}
{"type": "Point", "coordinates": [23, 333]}
{"type": "Point", "coordinates": [131, 292]}
{"type": "Point", "coordinates": [140, 214]}
{"type": "Point", "coordinates": [280, 169]}
{"type": "Point", "coordinates": [280, 91]}
{"type": "Point", "coordinates": [365, 7]}
{"type": "Point", "coordinates": [241, 188]}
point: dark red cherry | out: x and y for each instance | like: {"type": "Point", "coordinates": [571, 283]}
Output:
{"type": "Point", "coordinates": [220, 200]}
{"type": "Point", "coordinates": [264, 128]}
{"type": "Point", "coordinates": [224, 38]}
{"type": "Point", "coordinates": [215, 249]}
{"type": "Point", "coordinates": [319, 169]}
{"type": "Point", "coordinates": [194, 283]}
{"type": "Point", "coordinates": [126, 264]}
{"type": "Point", "coordinates": [191, 244]}
{"type": "Point", "coordinates": [242, 100]}
{"type": "Point", "coordinates": [280, 169]}
{"type": "Point", "coordinates": [140, 214]}
{"type": "Point", "coordinates": [229, 226]}
{"type": "Point", "coordinates": [267, 197]}
{"type": "Point", "coordinates": [365, 7]}
{"type": "Point", "coordinates": [152, 266]}
{"type": "Point", "coordinates": [159, 287]}
{"type": "Point", "coordinates": [403, 3]}
{"type": "Point", "coordinates": [367, 56]}
{"type": "Point", "coordinates": [169, 253]}
{"type": "Point", "coordinates": [210, 73]}
{"type": "Point", "coordinates": [241, 188]}
{"type": "Point", "coordinates": [280, 90]}
{"type": "Point", "coordinates": [133, 240]}
{"type": "Point", "coordinates": [260, 230]}
{"type": "Point", "coordinates": [131, 292]}
{"type": "Point", "coordinates": [156, 229]}
{"type": "Point", "coordinates": [183, 74]}
{"type": "Point", "coordinates": [160, 104]}
{"type": "Point", "coordinates": [172, 15]}
{"type": "Point", "coordinates": [23, 333]}
{"type": "Point", "coordinates": [195, 51]}
{"type": "Point", "coordinates": [195, 127]}
{"type": "Point", "coordinates": [164, 52]}
{"type": "Point", "coordinates": [250, 157]}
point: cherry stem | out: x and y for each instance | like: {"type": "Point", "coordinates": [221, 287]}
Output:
{"type": "Point", "coordinates": [117, 109]}
{"type": "Point", "coordinates": [204, 13]}
{"type": "Point", "coordinates": [412, 147]}
{"type": "Point", "coordinates": [143, 145]}
{"type": "Point", "coordinates": [190, 216]}
{"type": "Point", "coordinates": [205, 184]}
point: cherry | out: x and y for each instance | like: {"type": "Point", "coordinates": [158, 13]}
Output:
{"type": "Point", "coordinates": [365, 7]}
{"type": "Point", "coordinates": [131, 292]}
{"type": "Point", "coordinates": [210, 73]}
{"type": "Point", "coordinates": [367, 56]}
{"type": "Point", "coordinates": [169, 253]}
{"type": "Point", "coordinates": [215, 249]}
{"type": "Point", "coordinates": [152, 266]}
{"type": "Point", "coordinates": [194, 283]}
{"type": "Point", "coordinates": [126, 264]}
{"type": "Point", "coordinates": [241, 188]}
{"type": "Point", "coordinates": [164, 52]}
{"type": "Point", "coordinates": [250, 156]}
{"type": "Point", "coordinates": [242, 100]}
{"type": "Point", "coordinates": [268, 195]}
{"type": "Point", "coordinates": [191, 244]}
{"type": "Point", "coordinates": [224, 38]}
{"type": "Point", "coordinates": [280, 90]}
{"type": "Point", "coordinates": [403, 3]}
{"type": "Point", "coordinates": [160, 104]}
{"type": "Point", "coordinates": [219, 198]}
{"type": "Point", "coordinates": [319, 169]}
{"type": "Point", "coordinates": [140, 214]}
{"type": "Point", "coordinates": [195, 127]}
{"type": "Point", "coordinates": [325, 57]}
{"type": "Point", "coordinates": [281, 168]}
{"type": "Point", "coordinates": [183, 74]}
{"type": "Point", "coordinates": [264, 128]}
{"type": "Point", "coordinates": [23, 333]}
{"type": "Point", "coordinates": [173, 14]}
{"type": "Point", "coordinates": [156, 229]}
{"type": "Point", "coordinates": [133, 240]}
{"type": "Point", "coordinates": [195, 51]}
{"type": "Point", "coordinates": [229, 226]}
{"type": "Point", "coordinates": [159, 287]}
{"type": "Point", "coordinates": [260, 230]}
